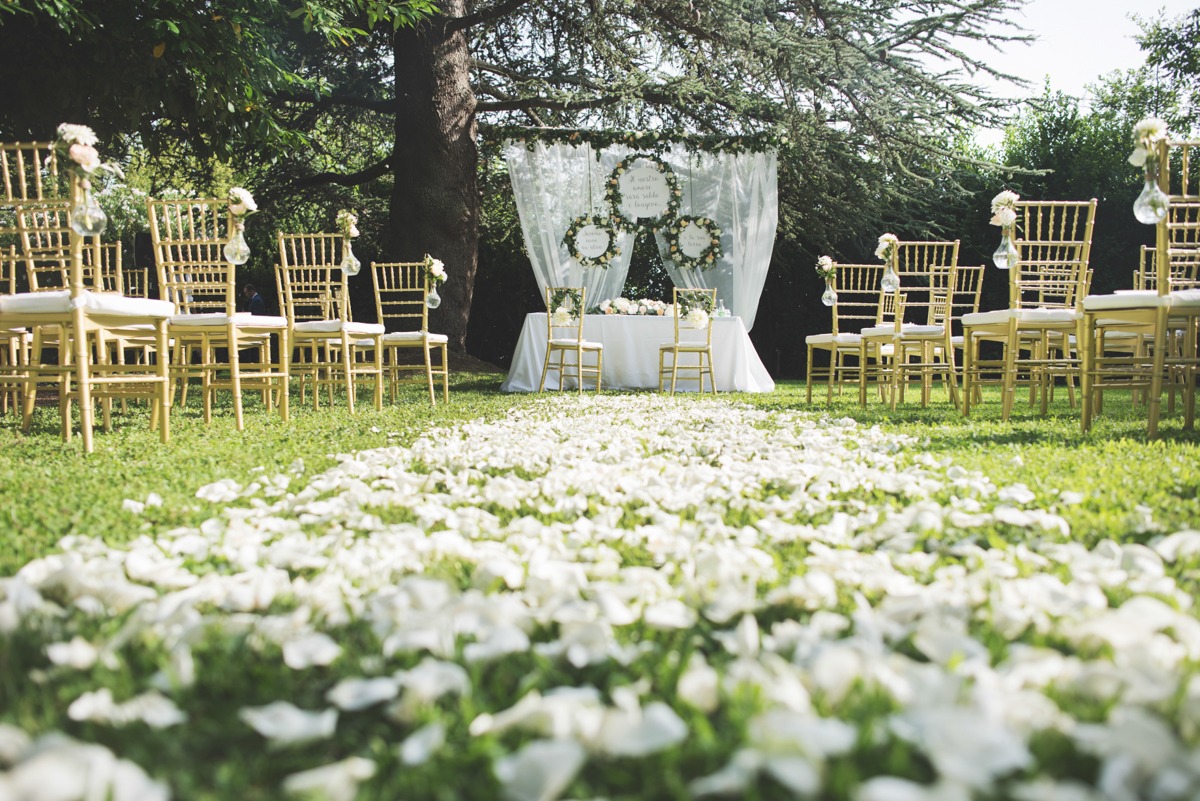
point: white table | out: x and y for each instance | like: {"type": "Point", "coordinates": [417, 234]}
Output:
{"type": "Point", "coordinates": [631, 353]}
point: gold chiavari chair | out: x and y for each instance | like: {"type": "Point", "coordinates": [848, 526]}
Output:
{"type": "Point", "coordinates": [921, 307]}
{"type": "Point", "coordinates": [209, 335]}
{"type": "Point", "coordinates": [332, 349]}
{"type": "Point", "coordinates": [693, 337]}
{"type": "Point", "coordinates": [565, 308]}
{"type": "Point", "coordinates": [84, 319]}
{"type": "Point", "coordinates": [1036, 333]}
{"type": "Point", "coordinates": [401, 292]}
{"type": "Point", "coordinates": [857, 305]}
{"type": "Point", "coordinates": [1167, 316]}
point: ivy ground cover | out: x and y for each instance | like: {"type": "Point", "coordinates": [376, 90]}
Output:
{"type": "Point", "coordinates": [615, 597]}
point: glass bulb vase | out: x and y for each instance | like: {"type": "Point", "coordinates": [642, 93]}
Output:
{"type": "Point", "coordinates": [1006, 255]}
{"type": "Point", "coordinates": [87, 218]}
{"type": "Point", "coordinates": [829, 296]}
{"type": "Point", "coordinates": [236, 251]}
{"type": "Point", "coordinates": [890, 281]}
{"type": "Point", "coordinates": [433, 299]}
{"type": "Point", "coordinates": [350, 263]}
{"type": "Point", "coordinates": [1151, 205]}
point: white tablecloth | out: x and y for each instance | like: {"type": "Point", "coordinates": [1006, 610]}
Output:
{"type": "Point", "coordinates": [631, 353]}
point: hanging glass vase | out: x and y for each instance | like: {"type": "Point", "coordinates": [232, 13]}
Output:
{"type": "Point", "coordinates": [236, 251]}
{"type": "Point", "coordinates": [87, 218]}
{"type": "Point", "coordinates": [890, 281]}
{"type": "Point", "coordinates": [1151, 205]}
{"type": "Point", "coordinates": [433, 299]}
{"type": "Point", "coordinates": [829, 296]}
{"type": "Point", "coordinates": [1006, 256]}
{"type": "Point", "coordinates": [350, 263]}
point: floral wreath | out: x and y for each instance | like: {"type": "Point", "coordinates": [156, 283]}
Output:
{"type": "Point", "coordinates": [612, 193]}
{"type": "Point", "coordinates": [577, 225]}
{"type": "Point", "coordinates": [708, 256]}
{"type": "Point", "coordinates": [566, 304]}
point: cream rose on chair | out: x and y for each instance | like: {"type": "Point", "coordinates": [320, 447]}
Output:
{"type": "Point", "coordinates": [697, 318]}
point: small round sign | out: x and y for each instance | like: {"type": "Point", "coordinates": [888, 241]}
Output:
{"type": "Point", "coordinates": [591, 241]}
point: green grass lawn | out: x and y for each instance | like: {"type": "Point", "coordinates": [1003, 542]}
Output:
{"type": "Point", "coordinates": [893, 507]}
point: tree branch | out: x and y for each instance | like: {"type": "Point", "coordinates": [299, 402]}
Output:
{"type": "Point", "coordinates": [498, 11]}
{"type": "Point", "coordinates": [384, 106]}
{"type": "Point", "coordinates": [352, 179]}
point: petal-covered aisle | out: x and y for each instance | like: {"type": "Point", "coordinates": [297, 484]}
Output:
{"type": "Point", "coordinates": [623, 596]}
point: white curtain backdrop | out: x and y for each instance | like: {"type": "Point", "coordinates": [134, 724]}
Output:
{"type": "Point", "coordinates": [555, 183]}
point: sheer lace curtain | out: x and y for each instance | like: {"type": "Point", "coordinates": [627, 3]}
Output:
{"type": "Point", "coordinates": [553, 184]}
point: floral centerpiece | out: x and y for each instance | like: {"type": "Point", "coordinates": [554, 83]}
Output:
{"type": "Point", "coordinates": [435, 273]}
{"type": "Point", "coordinates": [241, 205]}
{"type": "Point", "coordinates": [347, 224]}
{"type": "Point", "coordinates": [1004, 214]}
{"type": "Point", "coordinates": [708, 255]}
{"type": "Point", "coordinates": [75, 147]}
{"type": "Point", "coordinates": [642, 306]}
{"type": "Point", "coordinates": [1151, 205]}
{"type": "Point", "coordinates": [826, 269]}
{"type": "Point", "coordinates": [886, 250]}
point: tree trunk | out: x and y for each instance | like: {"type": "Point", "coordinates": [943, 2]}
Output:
{"type": "Point", "coordinates": [435, 204]}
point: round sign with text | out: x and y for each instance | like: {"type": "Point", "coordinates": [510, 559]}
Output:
{"type": "Point", "coordinates": [643, 190]}
{"type": "Point", "coordinates": [592, 241]}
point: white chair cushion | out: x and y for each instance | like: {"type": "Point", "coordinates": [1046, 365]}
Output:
{"type": "Point", "coordinates": [1138, 299]}
{"type": "Point", "coordinates": [994, 317]}
{"type": "Point", "coordinates": [570, 343]}
{"type": "Point", "coordinates": [59, 301]}
{"type": "Point", "coordinates": [415, 336]}
{"type": "Point", "coordinates": [1046, 315]}
{"type": "Point", "coordinates": [922, 331]}
{"type": "Point", "coordinates": [337, 326]}
{"type": "Point", "coordinates": [829, 339]}
{"type": "Point", "coordinates": [879, 331]}
{"type": "Point", "coordinates": [1185, 299]}
{"type": "Point", "coordinates": [222, 319]}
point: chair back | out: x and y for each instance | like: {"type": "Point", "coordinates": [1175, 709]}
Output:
{"type": "Point", "coordinates": [29, 171]}
{"type": "Point", "coordinates": [314, 284]}
{"type": "Point", "coordinates": [968, 289]}
{"type": "Point", "coordinates": [1055, 243]}
{"type": "Point", "coordinates": [8, 270]}
{"type": "Point", "coordinates": [401, 288]}
{"type": "Point", "coordinates": [188, 237]}
{"type": "Point", "coordinates": [694, 315]}
{"type": "Point", "coordinates": [1177, 240]}
{"type": "Point", "coordinates": [135, 282]}
{"type": "Point", "coordinates": [45, 235]}
{"type": "Point", "coordinates": [924, 268]}
{"type": "Point", "coordinates": [858, 296]}
{"type": "Point", "coordinates": [565, 307]}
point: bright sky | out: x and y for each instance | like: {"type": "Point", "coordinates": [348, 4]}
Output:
{"type": "Point", "coordinates": [1080, 40]}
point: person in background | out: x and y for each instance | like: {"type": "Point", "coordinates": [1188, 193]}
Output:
{"type": "Point", "coordinates": [254, 301]}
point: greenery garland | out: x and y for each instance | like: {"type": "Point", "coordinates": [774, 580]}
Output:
{"type": "Point", "coordinates": [707, 259]}
{"type": "Point", "coordinates": [657, 141]}
{"type": "Point", "coordinates": [578, 224]}
{"type": "Point", "coordinates": [566, 298]}
{"type": "Point", "coordinates": [612, 193]}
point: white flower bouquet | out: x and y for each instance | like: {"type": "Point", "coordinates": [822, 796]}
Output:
{"type": "Point", "coordinates": [887, 244]}
{"type": "Point", "coordinates": [1146, 136]}
{"type": "Point", "coordinates": [825, 267]}
{"type": "Point", "coordinates": [241, 202]}
{"type": "Point", "coordinates": [75, 147]}
{"type": "Point", "coordinates": [1004, 208]}
{"type": "Point", "coordinates": [347, 223]}
{"type": "Point", "coordinates": [434, 269]}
